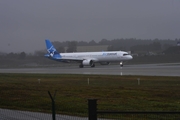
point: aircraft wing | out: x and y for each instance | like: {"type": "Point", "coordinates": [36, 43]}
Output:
{"type": "Point", "coordinates": [70, 59]}
{"type": "Point", "coordinates": [77, 59]}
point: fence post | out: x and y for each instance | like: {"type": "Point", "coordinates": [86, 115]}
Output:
{"type": "Point", "coordinates": [92, 109]}
{"type": "Point", "coordinates": [53, 105]}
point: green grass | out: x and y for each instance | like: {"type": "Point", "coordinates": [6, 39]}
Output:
{"type": "Point", "coordinates": [122, 93]}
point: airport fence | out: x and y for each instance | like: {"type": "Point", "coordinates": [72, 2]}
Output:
{"type": "Point", "coordinates": [95, 114]}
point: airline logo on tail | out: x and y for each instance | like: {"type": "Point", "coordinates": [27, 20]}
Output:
{"type": "Point", "coordinates": [51, 50]}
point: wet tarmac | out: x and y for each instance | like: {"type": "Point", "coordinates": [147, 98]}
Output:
{"type": "Point", "coordinates": [171, 69]}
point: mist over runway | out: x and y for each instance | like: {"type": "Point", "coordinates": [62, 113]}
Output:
{"type": "Point", "coordinates": [168, 69]}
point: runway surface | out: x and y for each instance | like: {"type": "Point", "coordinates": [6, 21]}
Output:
{"type": "Point", "coordinates": [170, 69]}
{"type": "Point", "coordinates": [6, 114]}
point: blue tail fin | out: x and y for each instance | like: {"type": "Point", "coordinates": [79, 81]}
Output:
{"type": "Point", "coordinates": [50, 48]}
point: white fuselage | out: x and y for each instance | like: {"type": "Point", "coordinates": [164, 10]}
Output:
{"type": "Point", "coordinates": [105, 56]}
{"type": "Point", "coordinates": [87, 58]}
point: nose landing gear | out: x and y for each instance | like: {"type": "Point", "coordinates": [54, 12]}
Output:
{"type": "Point", "coordinates": [121, 64]}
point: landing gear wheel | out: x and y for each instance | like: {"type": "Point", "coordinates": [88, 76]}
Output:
{"type": "Point", "coordinates": [81, 66]}
{"type": "Point", "coordinates": [93, 65]}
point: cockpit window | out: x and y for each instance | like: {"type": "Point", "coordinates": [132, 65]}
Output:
{"type": "Point", "coordinates": [125, 54]}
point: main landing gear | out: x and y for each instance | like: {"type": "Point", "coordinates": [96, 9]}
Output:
{"type": "Point", "coordinates": [93, 65]}
{"type": "Point", "coordinates": [81, 65]}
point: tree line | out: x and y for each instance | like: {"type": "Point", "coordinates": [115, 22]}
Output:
{"type": "Point", "coordinates": [134, 45]}
{"type": "Point", "coordinates": [130, 44]}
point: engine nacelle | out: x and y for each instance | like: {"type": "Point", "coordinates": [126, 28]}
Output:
{"type": "Point", "coordinates": [87, 62]}
{"type": "Point", "coordinates": [104, 63]}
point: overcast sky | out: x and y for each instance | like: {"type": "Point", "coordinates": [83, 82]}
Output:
{"type": "Point", "coordinates": [25, 24]}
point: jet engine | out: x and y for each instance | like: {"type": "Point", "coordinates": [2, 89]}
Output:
{"type": "Point", "coordinates": [87, 62]}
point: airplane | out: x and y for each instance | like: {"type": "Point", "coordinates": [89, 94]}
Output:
{"type": "Point", "coordinates": [87, 58]}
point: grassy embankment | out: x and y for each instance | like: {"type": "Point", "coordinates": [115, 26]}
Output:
{"type": "Point", "coordinates": [24, 92]}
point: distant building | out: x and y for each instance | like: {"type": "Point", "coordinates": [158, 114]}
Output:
{"type": "Point", "coordinates": [96, 48]}
{"type": "Point", "coordinates": [178, 43]}
{"type": "Point", "coordinates": [92, 48]}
